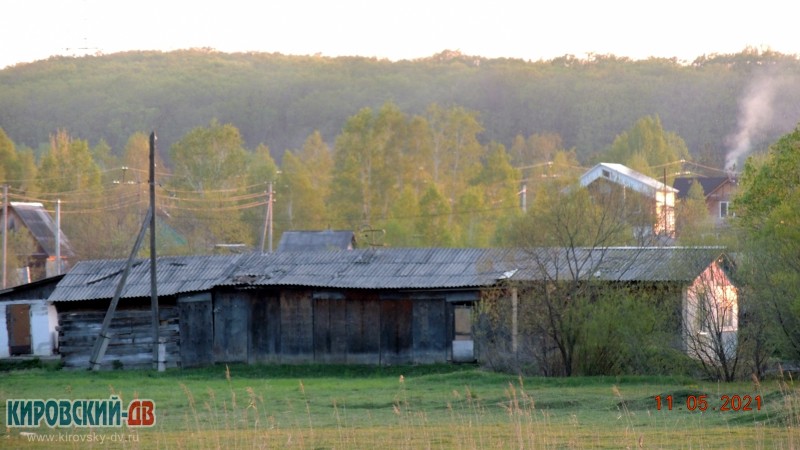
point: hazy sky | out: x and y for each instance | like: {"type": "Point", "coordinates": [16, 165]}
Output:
{"type": "Point", "coordinates": [36, 29]}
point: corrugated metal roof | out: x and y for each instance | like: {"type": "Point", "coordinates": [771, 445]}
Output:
{"type": "Point", "coordinates": [41, 225]}
{"type": "Point", "coordinates": [681, 264]}
{"type": "Point", "coordinates": [91, 280]}
{"type": "Point", "coordinates": [387, 268]}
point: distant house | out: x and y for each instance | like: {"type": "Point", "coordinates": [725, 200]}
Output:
{"type": "Point", "coordinates": [367, 306]}
{"type": "Point", "coordinates": [718, 192]}
{"type": "Point", "coordinates": [659, 198]}
{"type": "Point", "coordinates": [35, 219]}
{"type": "Point", "coordinates": [325, 240]}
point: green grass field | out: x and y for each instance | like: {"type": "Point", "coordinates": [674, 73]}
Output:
{"type": "Point", "coordinates": [437, 406]}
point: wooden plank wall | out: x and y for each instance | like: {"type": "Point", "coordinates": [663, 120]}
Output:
{"type": "Point", "coordinates": [396, 335]}
{"type": "Point", "coordinates": [297, 327]}
{"type": "Point", "coordinates": [265, 328]}
{"type": "Point", "coordinates": [197, 330]}
{"type": "Point", "coordinates": [132, 339]}
{"type": "Point", "coordinates": [429, 331]}
{"type": "Point", "coordinates": [231, 327]}
{"type": "Point", "coordinates": [363, 328]}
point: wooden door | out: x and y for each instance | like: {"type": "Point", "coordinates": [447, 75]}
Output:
{"type": "Point", "coordinates": [18, 318]}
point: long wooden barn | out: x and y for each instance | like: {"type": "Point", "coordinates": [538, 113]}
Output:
{"type": "Point", "coordinates": [366, 306]}
{"type": "Point", "coordinates": [361, 306]}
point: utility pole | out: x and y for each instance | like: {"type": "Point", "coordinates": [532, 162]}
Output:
{"type": "Point", "coordinates": [58, 237]}
{"type": "Point", "coordinates": [267, 221]}
{"type": "Point", "coordinates": [269, 213]}
{"type": "Point", "coordinates": [104, 337]}
{"type": "Point", "coordinates": [5, 235]}
{"type": "Point", "coordinates": [153, 284]}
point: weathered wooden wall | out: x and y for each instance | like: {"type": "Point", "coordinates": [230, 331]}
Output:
{"type": "Point", "coordinates": [294, 326]}
{"type": "Point", "coordinates": [131, 343]}
{"type": "Point", "coordinates": [290, 326]}
{"type": "Point", "coordinates": [196, 329]}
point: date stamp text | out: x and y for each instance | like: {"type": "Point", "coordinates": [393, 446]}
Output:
{"type": "Point", "coordinates": [704, 403]}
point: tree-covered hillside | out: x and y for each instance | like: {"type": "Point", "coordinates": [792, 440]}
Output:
{"type": "Point", "coordinates": [279, 100]}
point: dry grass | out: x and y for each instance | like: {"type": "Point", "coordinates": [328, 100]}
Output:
{"type": "Point", "coordinates": [462, 410]}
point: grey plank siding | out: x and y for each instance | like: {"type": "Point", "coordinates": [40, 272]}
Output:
{"type": "Point", "coordinates": [196, 327]}
{"type": "Point", "coordinates": [265, 328]}
{"type": "Point", "coordinates": [231, 327]}
{"type": "Point", "coordinates": [132, 339]}
{"type": "Point", "coordinates": [429, 331]}
{"type": "Point", "coordinates": [297, 327]}
{"type": "Point", "coordinates": [330, 330]}
{"type": "Point", "coordinates": [363, 328]}
{"type": "Point", "coordinates": [396, 340]}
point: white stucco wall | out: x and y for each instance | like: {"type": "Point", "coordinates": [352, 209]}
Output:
{"type": "Point", "coordinates": [4, 351]}
{"type": "Point", "coordinates": [43, 319]}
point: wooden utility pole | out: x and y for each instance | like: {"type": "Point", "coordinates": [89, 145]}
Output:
{"type": "Point", "coordinates": [5, 235]}
{"type": "Point", "coordinates": [269, 210]}
{"type": "Point", "coordinates": [58, 237]}
{"type": "Point", "coordinates": [267, 222]}
{"type": "Point", "coordinates": [153, 284]}
{"type": "Point", "coordinates": [101, 343]}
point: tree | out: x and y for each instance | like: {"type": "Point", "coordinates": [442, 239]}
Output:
{"type": "Point", "coordinates": [302, 206]}
{"type": "Point", "coordinates": [17, 167]}
{"type": "Point", "coordinates": [433, 225]}
{"type": "Point", "coordinates": [565, 236]}
{"type": "Point", "coordinates": [404, 214]}
{"type": "Point", "coordinates": [769, 221]}
{"type": "Point", "coordinates": [210, 169]}
{"type": "Point", "coordinates": [490, 199]}
{"type": "Point", "coordinates": [455, 148]}
{"type": "Point", "coordinates": [367, 163]}
{"type": "Point", "coordinates": [536, 149]}
{"type": "Point", "coordinates": [68, 166]}
{"type": "Point", "coordinates": [261, 170]}
{"type": "Point", "coordinates": [209, 158]}
{"type": "Point", "coordinates": [692, 222]}
{"type": "Point", "coordinates": [317, 157]}
{"type": "Point", "coordinates": [355, 162]}
{"type": "Point", "coordinates": [647, 143]}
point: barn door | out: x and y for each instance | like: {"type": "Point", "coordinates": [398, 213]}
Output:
{"type": "Point", "coordinates": [18, 318]}
{"type": "Point", "coordinates": [231, 327]}
{"type": "Point", "coordinates": [196, 330]}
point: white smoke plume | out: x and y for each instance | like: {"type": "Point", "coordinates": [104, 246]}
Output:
{"type": "Point", "coordinates": [756, 112]}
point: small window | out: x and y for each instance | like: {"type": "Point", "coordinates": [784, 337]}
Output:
{"type": "Point", "coordinates": [606, 174]}
{"type": "Point", "coordinates": [724, 209]}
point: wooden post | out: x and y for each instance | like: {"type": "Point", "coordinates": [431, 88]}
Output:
{"type": "Point", "coordinates": [514, 320]}
{"type": "Point", "coordinates": [269, 213]}
{"type": "Point", "coordinates": [153, 284]}
{"type": "Point", "coordinates": [101, 343]}
{"type": "Point", "coordinates": [58, 237]}
{"type": "Point", "coordinates": [5, 235]}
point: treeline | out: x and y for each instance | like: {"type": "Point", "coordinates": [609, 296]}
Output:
{"type": "Point", "coordinates": [398, 179]}
{"type": "Point", "coordinates": [279, 100]}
